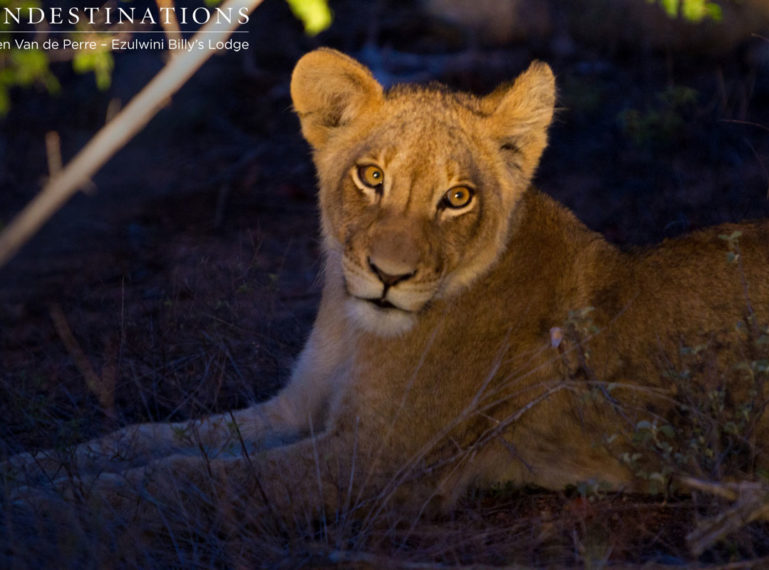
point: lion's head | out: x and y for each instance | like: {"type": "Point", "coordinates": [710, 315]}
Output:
{"type": "Point", "coordinates": [417, 184]}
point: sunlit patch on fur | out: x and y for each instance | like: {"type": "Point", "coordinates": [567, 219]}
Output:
{"type": "Point", "coordinates": [381, 322]}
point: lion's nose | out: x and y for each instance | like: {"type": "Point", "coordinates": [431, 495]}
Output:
{"type": "Point", "coordinates": [389, 279]}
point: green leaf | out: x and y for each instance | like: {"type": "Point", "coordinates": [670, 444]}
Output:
{"type": "Point", "coordinates": [5, 102]}
{"type": "Point", "coordinates": [51, 83]}
{"type": "Point", "coordinates": [30, 66]}
{"type": "Point", "coordinates": [23, 4]}
{"type": "Point", "coordinates": [314, 14]}
{"type": "Point", "coordinates": [698, 10]}
{"type": "Point", "coordinates": [667, 431]}
{"type": "Point", "coordinates": [714, 12]}
{"type": "Point", "coordinates": [100, 62]}
{"type": "Point", "coordinates": [694, 10]}
{"type": "Point", "coordinates": [671, 7]}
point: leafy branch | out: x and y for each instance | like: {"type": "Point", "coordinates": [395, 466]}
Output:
{"type": "Point", "coordinates": [114, 135]}
{"type": "Point", "coordinates": [125, 125]}
{"type": "Point", "coordinates": [691, 10]}
{"type": "Point", "coordinates": [25, 67]}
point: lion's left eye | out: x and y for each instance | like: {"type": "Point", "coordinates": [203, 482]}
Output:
{"type": "Point", "coordinates": [458, 197]}
{"type": "Point", "coordinates": [371, 176]}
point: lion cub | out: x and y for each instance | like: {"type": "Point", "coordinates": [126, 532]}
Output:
{"type": "Point", "coordinates": [471, 330]}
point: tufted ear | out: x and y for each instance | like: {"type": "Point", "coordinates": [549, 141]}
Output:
{"type": "Point", "coordinates": [329, 90]}
{"type": "Point", "coordinates": [521, 115]}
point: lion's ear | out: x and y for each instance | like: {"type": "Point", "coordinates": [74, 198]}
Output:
{"type": "Point", "coordinates": [521, 115]}
{"type": "Point", "coordinates": [329, 90]}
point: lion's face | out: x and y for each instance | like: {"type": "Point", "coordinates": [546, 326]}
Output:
{"type": "Point", "coordinates": [417, 186]}
{"type": "Point", "coordinates": [414, 211]}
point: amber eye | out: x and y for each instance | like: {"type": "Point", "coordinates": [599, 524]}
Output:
{"type": "Point", "coordinates": [371, 176]}
{"type": "Point", "coordinates": [458, 197]}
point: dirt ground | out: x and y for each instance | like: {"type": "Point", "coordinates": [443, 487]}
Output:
{"type": "Point", "coordinates": [185, 281]}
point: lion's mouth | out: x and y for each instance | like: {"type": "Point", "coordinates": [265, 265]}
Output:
{"type": "Point", "coordinates": [381, 303]}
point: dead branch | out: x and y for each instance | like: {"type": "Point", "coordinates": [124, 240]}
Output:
{"type": "Point", "coordinates": [53, 152]}
{"type": "Point", "coordinates": [103, 387]}
{"type": "Point", "coordinates": [751, 502]}
{"type": "Point", "coordinates": [115, 134]}
{"type": "Point", "coordinates": [170, 25]}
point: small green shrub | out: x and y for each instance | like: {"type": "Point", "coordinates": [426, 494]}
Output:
{"type": "Point", "coordinates": [23, 67]}
{"type": "Point", "coordinates": [662, 123]}
{"type": "Point", "coordinates": [691, 10]}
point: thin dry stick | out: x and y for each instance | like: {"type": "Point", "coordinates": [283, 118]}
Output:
{"type": "Point", "coordinates": [751, 502]}
{"type": "Point", "coordinates": [102, 388]}
{"type": "Point", "coordinates": [53, 152]}
{"type": "Point", "coordinates": [170, 23]}
{"type": "Point", "coordinates": [116, 134]}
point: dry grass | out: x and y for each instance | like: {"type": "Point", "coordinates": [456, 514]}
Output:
{"type": "Point", "coordinates": [201, 336]}
{"type": "Point", "coordinates": [191, 342]}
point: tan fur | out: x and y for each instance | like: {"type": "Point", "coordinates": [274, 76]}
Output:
{"type": "Point", "coordinates": [471, 369]}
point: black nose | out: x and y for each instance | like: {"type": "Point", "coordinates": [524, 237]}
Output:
{"type": "Point", "coordinates": [388, 279]}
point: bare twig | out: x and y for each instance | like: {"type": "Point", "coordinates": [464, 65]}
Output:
{"type": "Point", "coordinates": [751, 502]}
{"type": "Point", "coordinates": [169, 22]}
{"type": "Point", "coordinates": [53, 152]}
{"type": "Point", "coordinates": [102, 387]}
{"type": "Point", "coordinates": [742, 564]}
{"type": "Point", "coordinates": [371, 560]}
{"type": "Point", "coordinates": [113, 108]}
{"type": "Point", "coordinates": [115, 134]}
{"type": "Point", "coordinates": [726, 491]}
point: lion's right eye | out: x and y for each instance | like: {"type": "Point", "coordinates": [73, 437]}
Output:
{"type": "Point", "coordinates": [371, 176]}
{"type": "Point", "coordinates": [458, 197]}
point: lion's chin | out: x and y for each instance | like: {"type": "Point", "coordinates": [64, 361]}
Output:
{"type": "Point", "coordinates": [381, 319]}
